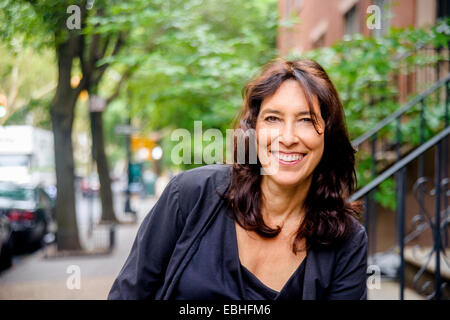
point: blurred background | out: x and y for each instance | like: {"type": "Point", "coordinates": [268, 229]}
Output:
{"type": "Point", "coordinates": [91, 92]}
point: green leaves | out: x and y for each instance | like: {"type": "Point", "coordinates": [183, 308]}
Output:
{"type": "Point", "coordinates": [203, 54]}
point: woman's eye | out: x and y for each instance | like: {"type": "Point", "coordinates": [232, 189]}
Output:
{"type": "Point", "coordinates": [271, 119]}
{"type": "Point", "coordinates": [306, 119]}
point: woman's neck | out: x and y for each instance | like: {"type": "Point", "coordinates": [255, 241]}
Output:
{"type": "Point", "coordinates": [283, 203]}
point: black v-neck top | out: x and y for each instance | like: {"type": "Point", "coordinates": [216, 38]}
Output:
{"type": "Point", "coordinates": [215, 271]}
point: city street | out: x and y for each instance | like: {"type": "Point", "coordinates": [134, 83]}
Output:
{"type": "Point", "coordinates": [34, 276]}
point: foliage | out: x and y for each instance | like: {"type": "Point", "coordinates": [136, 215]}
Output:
{"type": "Point", "coordinates": [199, 68]}
{"type": "Point", "coordinates": [27, 98]}
{"type": "Point", "coordinates": [202, 54]}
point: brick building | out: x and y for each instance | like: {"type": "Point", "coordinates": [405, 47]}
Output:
{"type": "Point", "coordinates": [323, 22]}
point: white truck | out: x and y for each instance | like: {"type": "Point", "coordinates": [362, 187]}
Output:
{"type": "Point", "coordinates": [27, 155]}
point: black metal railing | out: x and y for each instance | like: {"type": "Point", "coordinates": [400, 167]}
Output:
{"type": "Point", "coordinates": [441, 218]}
{"type": "Point", "coordinates": [405, 153]}
{"type": "Point", "coordinates": [373, 136]}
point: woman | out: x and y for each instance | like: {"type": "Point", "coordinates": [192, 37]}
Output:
{"type": "Point", "coordinates": [277, 228]}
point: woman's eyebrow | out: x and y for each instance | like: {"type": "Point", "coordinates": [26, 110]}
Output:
{"type": "Point", "coordinates": [301, 113]}
{"type": "Point", "coordinates": [304, 113]}
{"type": "Point", "coordinates": [271, 111]}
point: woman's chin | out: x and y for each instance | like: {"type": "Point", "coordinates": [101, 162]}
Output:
{"type": "Point", "coordinates": [285, 179]}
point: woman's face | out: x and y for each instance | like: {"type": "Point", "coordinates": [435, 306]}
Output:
{"type": "Point", "coordinates": [289, 145]}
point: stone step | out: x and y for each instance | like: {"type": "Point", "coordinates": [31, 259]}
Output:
{"type": "Point", "coordinates": [418, 256]}
{"type": "Point", "coordinates": [390, 290]}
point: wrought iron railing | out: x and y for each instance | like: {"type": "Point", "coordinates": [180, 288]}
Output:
{"type": "Point", "coordinates": [405, 153]}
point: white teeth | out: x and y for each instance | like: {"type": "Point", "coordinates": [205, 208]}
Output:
{"type": "Point", "coordinates": [288, 157]}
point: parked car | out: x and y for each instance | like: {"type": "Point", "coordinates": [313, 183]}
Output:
{"type": "Point", "coordinates": [5, 243]}
{"type": "Point", "coordinates": [30, 212]}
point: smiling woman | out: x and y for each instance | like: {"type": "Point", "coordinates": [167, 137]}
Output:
{"type": "Point", "coordinates": [280, 228]}
{"type": "Point", "coordinates": [313, 154]}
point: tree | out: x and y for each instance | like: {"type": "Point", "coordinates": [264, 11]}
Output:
{"type": "Point", "coordinates": [99, 153]}
{"type": "Point", "coordinates": [190, 60]}
{"type": "Point", "coordinates": [77, 47]}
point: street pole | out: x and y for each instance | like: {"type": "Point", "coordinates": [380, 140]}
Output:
{"type": "Point", "coordinates": [90, 187]}
{"type": "Point", "coordinates": [91, 203]}
{"type": "Point", "coordinates": [127, 192]}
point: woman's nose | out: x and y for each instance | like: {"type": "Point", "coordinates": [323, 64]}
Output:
{"type": "Point", "coordinates": [289, 135]}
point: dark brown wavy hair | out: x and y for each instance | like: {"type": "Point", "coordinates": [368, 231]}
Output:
{"type": "Point", "coordinates": [328, 213]}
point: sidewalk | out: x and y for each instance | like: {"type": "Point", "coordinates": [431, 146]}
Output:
{"type": "Point", "coordinates": [34, 277]}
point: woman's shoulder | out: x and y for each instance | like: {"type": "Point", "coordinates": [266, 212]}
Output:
{"type": "Point", "coordinates": [358, 230]}
{"type": "Point", "coordinates": [213, 175]}
{"type": "Point", "coordinates": [202, 183]}
{"type": "Point", "coordinates": [209, 170]}
{"type": "Point", "coordinates": [356, 236]}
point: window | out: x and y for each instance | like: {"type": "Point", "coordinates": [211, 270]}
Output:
{"type": "Point", "coordinates": [351, 21]}
{"type": "Point", "coordinates": [385, 17]}
{"type": "Point", "coordinates": [16, 193]}
{"type": "Point", "coordinates": [443, 9]}
{"type": "Point", "coordinates": [14, 160]}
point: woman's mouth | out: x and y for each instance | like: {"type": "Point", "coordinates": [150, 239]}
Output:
{"type": "Point", "coordinates": [291, 158]}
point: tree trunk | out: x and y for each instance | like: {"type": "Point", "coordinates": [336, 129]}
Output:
{"type": "Point", "coordinates": [62, 115]}
{"type": "Point", "coordinates": [67, 235]}
{"type": "Point", "coordinates": [98, 150]}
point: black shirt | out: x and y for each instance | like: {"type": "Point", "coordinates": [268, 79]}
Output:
{"type": "Point", "coordinates": [215, 271]}
{"type": "Point", "coordinates": [172, 232]}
